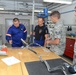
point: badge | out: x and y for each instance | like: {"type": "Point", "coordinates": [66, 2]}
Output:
{"type": "Point", "coordinates": [21, 28]}
{"type": "Point", "coordinates": [40, 30]}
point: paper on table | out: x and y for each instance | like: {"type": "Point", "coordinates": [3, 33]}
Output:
{"type": "Point", "coordinates": [10, 60]}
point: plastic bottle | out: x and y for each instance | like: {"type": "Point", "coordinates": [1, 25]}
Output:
{"type": "Point", "coordinates": [74, 57]}
{"type": "Point", "coordinates": [4, 48]}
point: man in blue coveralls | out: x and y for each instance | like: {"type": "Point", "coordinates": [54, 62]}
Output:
{"type": "Point", "coordinates": [15, 33]}
{"type": "Point", "coordinates": [40, 32]}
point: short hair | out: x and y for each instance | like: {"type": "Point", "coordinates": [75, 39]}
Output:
{"type": "Point", "coordinates": [41, 18]}
{"type": "Point", "coordinates": [15, 19]}
{"type": "Point", "coordinates": [55, 13]}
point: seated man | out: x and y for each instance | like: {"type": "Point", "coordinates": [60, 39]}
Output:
{"type": "Point", "coordinates": [15, 33]}
{"type": "Point", "coordinates": [40, 32]}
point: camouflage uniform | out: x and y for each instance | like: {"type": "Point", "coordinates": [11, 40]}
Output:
{"type": "Point", "coordinates": [58, 31]}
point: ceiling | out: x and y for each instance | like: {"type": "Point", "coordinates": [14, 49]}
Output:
{"type": "Point", "coordinates": [21, 5]}
{"type": "Point", "coordinates": [26, 5]}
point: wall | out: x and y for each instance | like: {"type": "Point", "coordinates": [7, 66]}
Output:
{"type": "Point", "coordinates": [67, 15]}
{"type": "Point", "coordinates": [3, 17]}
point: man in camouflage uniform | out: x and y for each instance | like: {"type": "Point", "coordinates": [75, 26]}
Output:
{"type": "Point", "coordinates": [57, 40]}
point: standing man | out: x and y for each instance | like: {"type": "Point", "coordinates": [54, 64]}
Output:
{"type": "Point", "coordinates": [57, 42]}
{"type": "Point", "coordinates": [15, 33]}
{"type": "Point", "coordinates": [40, 32]}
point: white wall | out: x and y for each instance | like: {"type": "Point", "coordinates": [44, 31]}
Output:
{"type": "Point", "coordinates": [3, 17]}
{"type": "Point", "coordinates": [68, 17]}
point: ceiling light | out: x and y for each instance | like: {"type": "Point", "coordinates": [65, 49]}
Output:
{"type": "Point", "coordinates": [1, 8]}
{"type": "Point", "coordinates": [59, 1]}
{"type": "Point", "coordinates": [16, 13]}
{"type": "Point", "coordinates": [20, 13]}
{"type": "Point", "coordinates": [38, 10]}
{"type": "Point", "coordinates": [24, 13]}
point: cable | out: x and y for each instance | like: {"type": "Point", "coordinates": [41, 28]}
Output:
{"type": "Point", "coordinates": [41, 47]}
{"type": "Point", "coordinates": [60, 67]}
{"type": "Point", "coordinates": [44, 61]}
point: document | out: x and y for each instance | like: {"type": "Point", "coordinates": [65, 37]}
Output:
{"type": "Point", "coordinates": [10, 60]}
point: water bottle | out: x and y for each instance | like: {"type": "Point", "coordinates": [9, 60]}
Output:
{"type": "Point", "coordinates": [4, 48]}
{"type": "Point", "coordinates": [74, 57]}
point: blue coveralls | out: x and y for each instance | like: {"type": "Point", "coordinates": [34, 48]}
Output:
{"type": "Point", "coordinates": [40, 42]}
{"type": "Point", "coordinates": [15, 34]}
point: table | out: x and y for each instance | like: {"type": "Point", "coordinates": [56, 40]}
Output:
{"type": "Point", "coordinates": [24, 55]}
